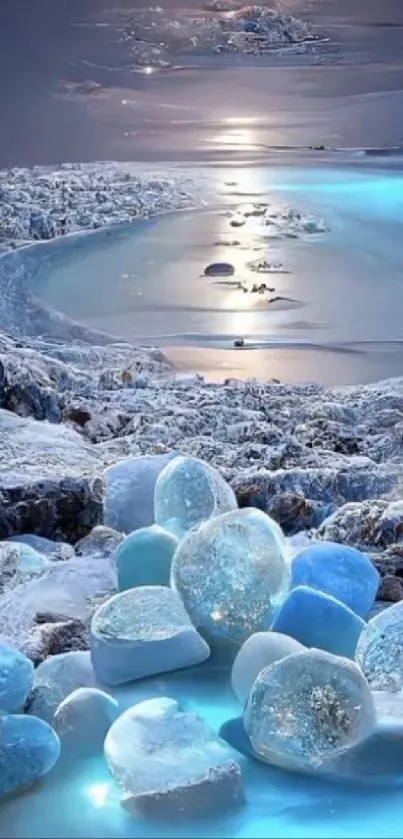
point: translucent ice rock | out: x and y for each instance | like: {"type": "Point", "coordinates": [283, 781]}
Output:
{"type": "Point", "coordinates": [231, 574]}
{"type": "Point", "coordinates": [260, 650]}
{"type": "Point", "coordinates": [144, 558]}
{"type": "Point", "coordinates": [16, 678]}
{"type": "Point", "coordinates": [380, 649]}
{"type": "Point", "coordinates": [56, 677]}
{"type": "Point", "coordinates": [129, 491]}
{"type": "Point", "coordinates": [188, 492]}
{"type": "Point", "coordinates": [83, 719]}
{"type": "Point", "coordinates": [141, 632]}
{"type": "Point", "coordinates": [169, 761]}
{"type": "Point", "coordinates": [339, 570]}
{"type": "Point", "coordinates": [307, 708]}
{"type": "Point", "coordinates": [316, 619]}
{"type": "Point", "coordinates": [29, 748]}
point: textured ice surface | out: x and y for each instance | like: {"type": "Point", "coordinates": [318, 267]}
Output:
{"type": "Point", "coordinates": [141, 632]}
{"type": "Point", "coordinates": [144, 558]}
{"type": "Point", "coordinates": [16, 678]}
{"type": "Point", "coordinates": [380, 649]}
{"type": "Point", "coordinates": [83, 719]}
{"type": "Point", "coordinates": [56, 678]}
{"type": "Point", "coordinates": [19, 560]}
{"type": "Point", "coordinates": [232, 574]}
{"type": "Point", "coordinates": [129, 492]}
{"type": "Point", "coordinates": [258, 652]}
{"type": "Point", "coordinates": [86, 195]}
{"type": "Point", "coordinates": [167, 760]}
{"type": "Point", "coordinates": [339, 570]}
{"type": "Point", "coordinates": [378, 758]}
{"type": "Point", "coordinates": [189, 491]}
{"type": "Point", "coordinates": [307, 708]}
{"type": "Point", "coordinates": [159, 38]}
{"type": "Point", "coordinates": [29, 748]}
{"type": "Point", "coordinates": [319, 620]}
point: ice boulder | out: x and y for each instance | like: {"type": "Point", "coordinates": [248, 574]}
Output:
{"type": "Point", "coordinates": [83, 719]}
{"type": "Point", "coordinates": [188, 492]}
{"type": "Point", "coordinates": [380, 649]}
{"type": "Point", "coordinates": [316, 619]}
{"type": "Point", "coordinates": [231, 574]}
{"type": "Point", "coordinates": [141, 632]}
{"type": "Point", "coordinates": [169, 762]}
{"type": "Point", "coordinates": [307, 708]}
{"type": "Point", "coordinates": [129, 491]}
{"type": "Point", "coordinates": [55, 678]}
{"type": "Point", "coordinates": [258, 651]}
{"type": "Point", "coordinates": [339, 570]}
{"type": "Point", "coordinates": [144, 558]}
{"type": "Point", "coordinates": [29, 748]}
{"type": "Point", "coordinates": [16, 678]}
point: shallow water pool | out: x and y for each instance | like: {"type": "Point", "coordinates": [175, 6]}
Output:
{"type": "Point", "coordinates": [83, 801]}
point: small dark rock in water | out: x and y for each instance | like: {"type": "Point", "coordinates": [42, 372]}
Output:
{"type": "Point", "coordinates": [219, 269]}
{"type": "Point", "coordinates": [239, 342]}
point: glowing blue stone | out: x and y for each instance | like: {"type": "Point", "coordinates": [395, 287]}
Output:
{"type": "Point", "coordinates": [316, 619]}
{"type": "Point", "coordinates": [29, 748]}
{"type": "Point", "coordinates": [16, 678]}
{"type": "Point", "coordinates": [339, 570]}
{"type": "Point", "coordinates": [144, 558]}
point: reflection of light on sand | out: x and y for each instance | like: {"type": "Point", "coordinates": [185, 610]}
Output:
{"type": "Point", "coordinates": [98, 793]}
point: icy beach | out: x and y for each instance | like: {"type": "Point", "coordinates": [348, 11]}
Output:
{"type": "Point", "coordinates": [201, 414]}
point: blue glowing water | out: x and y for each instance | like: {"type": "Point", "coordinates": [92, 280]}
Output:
{"type": "Point", "coordinates": [341, 290]}
{"type": "Point", "coordinates": [81, 801]}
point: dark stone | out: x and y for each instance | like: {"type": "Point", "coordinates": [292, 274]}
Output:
{"type": "Point", "coordinates": [52, 638]}
{"type": "Point", "coordinates": [77, 414]}
{"type": "Point", "coordinates": [391, 589]}
{"type": "Point", "coordinates": [64, 509]}
{"type": "Point", "coordinates": [31, 400]}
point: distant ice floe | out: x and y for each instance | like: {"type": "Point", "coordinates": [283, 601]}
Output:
{"type": "Point", "coordinates": [158, 39]}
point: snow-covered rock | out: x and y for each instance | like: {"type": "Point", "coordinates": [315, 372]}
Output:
{"type": "Point", "coordinates": [170, 762]}
{"type": "Point", "coordinates": [56, 678]}
{"type": "Point", "coordinates": [141, 632]}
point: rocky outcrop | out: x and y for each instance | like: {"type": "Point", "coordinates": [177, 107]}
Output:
{"type": "Point", "coordinates": [46, 480]}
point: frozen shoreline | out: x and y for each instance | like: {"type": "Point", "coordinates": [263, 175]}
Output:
{"type": "Point", "coordinates": [325, 461]}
